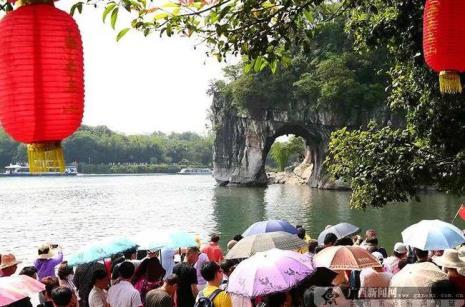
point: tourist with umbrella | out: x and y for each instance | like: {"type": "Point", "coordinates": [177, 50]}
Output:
{"type": "Point", "coordinates": [342, 258]}
{"type": "Point", "coordinates": [269, 272]}
{"type": "Point", "coordinates": [340, 230]}
{"type": "Point", "coordinates": [264, 242]}
{"type": "Point", "coordinates": [429, 235]}
{"type": "Point", "coordinates": [101, 249]}
{"type": "Point", "coordinates": [346, 260]}
{"type": "Point", "coordinates": [270, 226]}
{"type": "Point", "coordinates": [416, 280]}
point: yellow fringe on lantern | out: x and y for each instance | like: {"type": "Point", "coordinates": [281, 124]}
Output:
{"type": "Point", "coordinates": [46, 157]}
{"type": "Point", "coordinates": [449, 82]}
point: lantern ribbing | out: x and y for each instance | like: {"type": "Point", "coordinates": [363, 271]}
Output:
{"type": "Point", "coordinates": [444, 41]}
{"type": "Point", "coordinates": [41, 81]}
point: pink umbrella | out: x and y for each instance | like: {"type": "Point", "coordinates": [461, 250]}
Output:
{"type": "Point", "coordinates": [14, 288]}
{"type": "Point", "coordinates": [269, 272]}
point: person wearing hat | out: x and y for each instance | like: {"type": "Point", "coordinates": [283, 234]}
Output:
{"type": "Point", "coordinates": [452, 264]}
{"type": "Point", "coordinates": [47, 260]}
{"type": "Point", "coordinates": [8, 265]}
{"type": "Point", "coordinates": [391, 263]}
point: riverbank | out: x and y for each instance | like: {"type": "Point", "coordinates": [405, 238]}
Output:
{"type": "Point", "coordinates": [136, 168]}
{"type": "Point", "coordinates": [293, 175]}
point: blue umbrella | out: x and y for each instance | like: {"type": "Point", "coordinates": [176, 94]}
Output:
{"type": "Point", "coordinates": [270, 226]}
{"type": "Point", "coordinates": [100, 250]}
{"type": "Point", "coordinates": [181, 239]}
{"type": "Point", "coordinates": [152, 240]}
{"type": "Point", "coordinates": [433, 235]}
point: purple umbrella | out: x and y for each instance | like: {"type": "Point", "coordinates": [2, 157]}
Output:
{"type": "Point", "coordinates": [269, 272]}
{"type": "Point", "coordinates": [270, 226]}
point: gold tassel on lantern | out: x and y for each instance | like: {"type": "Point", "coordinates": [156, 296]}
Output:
{"type": "Point", "coordinates": [45, 157]}
{"type": "Point", "coordinates": [449, 82]}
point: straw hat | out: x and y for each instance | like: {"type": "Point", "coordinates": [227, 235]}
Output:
{"type": "Point", "coordinates": [450, 259]}
{"type": "Point", "coordinates": [8, 260]}
{"type": "Point", "coordinates": [45, 252]}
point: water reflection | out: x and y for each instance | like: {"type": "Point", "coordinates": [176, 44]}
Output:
{"type": "Point", "coordinates": [236, 208]}
{"type": "Point", "coordinates": [74, 211]}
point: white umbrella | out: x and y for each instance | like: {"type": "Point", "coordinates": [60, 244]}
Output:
{"type": "Point", "coordinates": [341, 230]}
{"type": "Point", "coordinates": [433, 235]}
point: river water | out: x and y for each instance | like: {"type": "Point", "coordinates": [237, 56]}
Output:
{"type": "Point", "coordinates": [72, 211]}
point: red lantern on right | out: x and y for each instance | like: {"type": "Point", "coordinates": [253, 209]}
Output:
{"type": "Point", "coordinates": [444, 41]}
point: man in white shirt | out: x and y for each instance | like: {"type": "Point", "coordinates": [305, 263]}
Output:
{"type": "Point", "coordinates": [123, 293]}
{"type": "Point", "coordinates": [98, 294]}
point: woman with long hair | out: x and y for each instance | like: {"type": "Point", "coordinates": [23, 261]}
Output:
{"type": "Point", "coordinates": [149, 275]}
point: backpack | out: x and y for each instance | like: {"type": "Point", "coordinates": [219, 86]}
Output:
{"type": "Point", "coordinates": [204, 301]}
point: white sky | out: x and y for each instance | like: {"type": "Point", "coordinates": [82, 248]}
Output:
{"type": "Point", "coordinates": [142, 84]}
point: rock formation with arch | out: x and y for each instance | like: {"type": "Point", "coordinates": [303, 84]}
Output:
{"type": "Point", "coordinates": [243, 138]}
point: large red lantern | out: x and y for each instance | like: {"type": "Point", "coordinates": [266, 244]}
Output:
{"type": "Point", "coordinates": [444, 41]}
{"type": "Point", "coordinates": [41, 81]}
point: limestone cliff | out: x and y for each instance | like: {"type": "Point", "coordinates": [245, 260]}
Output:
{"type": "Point", "coordinates": [243, 139]}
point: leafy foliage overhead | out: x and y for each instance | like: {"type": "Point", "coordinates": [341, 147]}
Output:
{"type": "Point", "coordinates": [329, 76]}
{"type": "Point", "coordinates": [261, 30]}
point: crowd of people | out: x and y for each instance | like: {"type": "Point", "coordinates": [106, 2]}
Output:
{"type": "Point", "coordinates": [198, 275]}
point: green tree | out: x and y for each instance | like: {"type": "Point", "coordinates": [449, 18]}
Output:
{"type": "Point", "coordinates": [384, 164]}
{"type": "Point", "coordinates": [280, 153]}
{"type": "Point", "coordinates": [8, 149]}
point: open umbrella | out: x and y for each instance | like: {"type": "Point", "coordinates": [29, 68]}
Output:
{"type": "Point", "coordinates": [181, 239]}
{"type": "Point", "coordinates": [152, 240]}
{"type": "Point", "coordinates": [269, 272]}
{"type": "Point", "coordinates": [321, 277]}
{"type": "Point", "coordinates": [101, 249]}
{"type": "Point", "coordinates": [270, 226]}
{"type": "Point", "coordinates": [250, 245]}
{"type": "Point", "coordinates": [17, 287]}
{"type": "Point", "coordinates": [433, 235]}
{"type": "Point", "coordinates": [345, 258]}
{"type": "Point", "coordinates": [415, 281]}
{"type": "Point", "coordinates": [341, 230]}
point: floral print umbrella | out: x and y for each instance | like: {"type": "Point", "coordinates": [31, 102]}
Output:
{"type": "Point", "coordinates": [269, 272]}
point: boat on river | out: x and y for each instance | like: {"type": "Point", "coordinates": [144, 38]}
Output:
{"type": "Point", "coordinates": [23, 170]}
{"type": "Point", "coordinates": [195, 171]}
